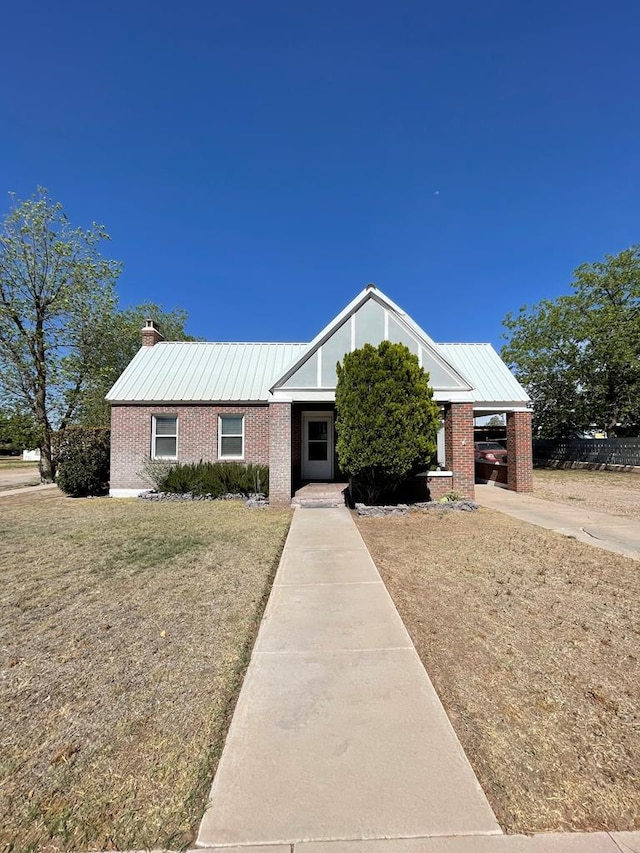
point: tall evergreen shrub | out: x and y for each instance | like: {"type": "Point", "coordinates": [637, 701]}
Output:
{"type": "Point", "coordinates": [386, 419]}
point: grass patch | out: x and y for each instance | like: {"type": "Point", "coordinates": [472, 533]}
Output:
{"type": "Point", "coordinates": [8, 463]}
{"type": "Point", "coordinates": [604, 491]}
{"type": "Point", "coordinates": [532, 642]}
{"type": "Point", "coordinates": [125, 629]}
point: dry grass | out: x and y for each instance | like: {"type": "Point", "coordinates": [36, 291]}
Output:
{"type": "Point", "coordinates": [125, 630]}
{"type": "Point", "coordinates": [605, 491]}
{"type": "Point", "coordinates": [532, 641]}
{"type": "Point", "coordinates": [10, 462]}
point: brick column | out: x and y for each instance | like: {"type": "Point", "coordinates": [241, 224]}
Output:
{"type": "Point", "coordinates": [280, 453]}
{"type": "Point", "coordinates": [519, 452]}
{"type": "Point", "coordinates": [458, 447]}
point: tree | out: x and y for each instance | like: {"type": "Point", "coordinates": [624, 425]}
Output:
{"type": "Point", "coordinates": [56, 301]}
{"type": "Point", "coordinates": [18, 430]}
{"type": "Point", "coordinates": [579, 356]}
{"type": "Point", "coordinates": [121, 342]}
{"type": "Point", "coordinates": [495, 421]}
{"type": "Point", "coordinates": [386, 418]}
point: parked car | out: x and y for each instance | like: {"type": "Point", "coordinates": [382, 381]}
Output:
{"type": "Point", "coordinates": [489, 451]}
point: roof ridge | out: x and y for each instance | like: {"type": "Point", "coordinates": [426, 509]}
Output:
{"type": "Point", "coordinates": [240, 343]}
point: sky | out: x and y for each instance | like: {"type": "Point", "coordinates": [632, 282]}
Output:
{"type": "Point", "coordinates": [258, 162]}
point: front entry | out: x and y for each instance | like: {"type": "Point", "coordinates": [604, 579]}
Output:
{"type": "Point", "coordinates": [317, 446]}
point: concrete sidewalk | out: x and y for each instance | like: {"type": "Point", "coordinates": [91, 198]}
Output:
{"type": "Point", "coordinates": [338, 733]}
{"type": "Point", "coordinates": [613, 533]}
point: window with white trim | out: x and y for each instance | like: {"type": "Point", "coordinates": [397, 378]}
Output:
{"type": "Point", "coordinates": [164, 442]}
{"type": "Point", "coordinates": [230, 436]}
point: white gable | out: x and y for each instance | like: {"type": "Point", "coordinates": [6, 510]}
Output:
{"type": "Point", "coordinates": [371, 318]}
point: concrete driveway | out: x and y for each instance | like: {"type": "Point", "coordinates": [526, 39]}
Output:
{"type": "Point", "coordinates": [611, 532]}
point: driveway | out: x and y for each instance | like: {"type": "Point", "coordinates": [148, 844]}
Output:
{"type": "Point", "coordinates": [611, 532]}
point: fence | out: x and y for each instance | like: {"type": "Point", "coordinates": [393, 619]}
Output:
{"type": "Point", "coordinates": [594, 451]}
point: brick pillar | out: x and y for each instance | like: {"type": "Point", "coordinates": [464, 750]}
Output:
{"type": "Point", "coordinates": [519, 452]}
{"type": "Point", "coordinates": [458, 447]}
{"type": "Point", "coordinates": [280, 453]}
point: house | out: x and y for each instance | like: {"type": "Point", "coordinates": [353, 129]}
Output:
{"type": "Point", "coordinates": [273, 403]}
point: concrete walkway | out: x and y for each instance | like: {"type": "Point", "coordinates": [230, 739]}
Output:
{"type": "Point", "coordinates": [613, 533]}
{"type": "Point", "coordinates": [338, 733]}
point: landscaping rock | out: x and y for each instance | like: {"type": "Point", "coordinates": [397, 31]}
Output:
{"type": "Point", "coordinates": [461, 506]}
{"type": "Point", "coordinates": [253, 500]}
{"type": "Point", "coordinates": [380, 511]}
{"type": "Point", "coordinates": [403, 509]}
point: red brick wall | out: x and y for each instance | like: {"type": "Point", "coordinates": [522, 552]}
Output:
{"type": "Point", "coordinates": [519, 452]}
{"type": "Point", "coordinates": [197, 437]}
{"type": "Point", "coordinates": [458, 444]}
{"type": "Point", "coordinates": [279, 453]}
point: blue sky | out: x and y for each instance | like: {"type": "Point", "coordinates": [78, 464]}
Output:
{"type": "Point", "coordinates": [258, 162]}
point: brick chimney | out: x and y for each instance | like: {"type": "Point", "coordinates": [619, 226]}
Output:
{"type": "Point", "coordinates": [150, 334]}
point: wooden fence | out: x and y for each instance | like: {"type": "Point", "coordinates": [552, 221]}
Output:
{"type": "Point", "coordinates": [596, 451]}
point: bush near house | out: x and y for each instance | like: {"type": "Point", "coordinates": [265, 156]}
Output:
{"type": "Point", "coordinates": [83, 461]}
{"type": "Point", "coordinates": [386, 419]}
{"type": "Point", "coordinates": [215, 479]}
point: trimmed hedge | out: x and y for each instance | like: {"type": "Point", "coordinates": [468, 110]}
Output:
{"type": "Point", "coordinates": [83, 461]}
{"type": "Point", "coordinates": [215, 479]}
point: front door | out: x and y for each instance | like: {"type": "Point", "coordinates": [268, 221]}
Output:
{"type": "Point", "coordinates": [317, 446]}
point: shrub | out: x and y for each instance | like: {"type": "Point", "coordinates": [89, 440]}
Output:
{"type": "Point", "coordinates": [83, 461]}
{"type": "Point", "coordinates": [155, 471]}
{"type": "Point", "coordinates": [215, 478]}
{"type": "Point", "coordinates": [387, 420]}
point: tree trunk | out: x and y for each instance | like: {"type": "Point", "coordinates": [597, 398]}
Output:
{"type": "Point", "coordinates": [47, 460]}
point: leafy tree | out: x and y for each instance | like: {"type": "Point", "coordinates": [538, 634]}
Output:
{"type": "Point", "coordinates": [579, 355]}
{"type": "Point", "coordinates": [386, 418]}
{"type": "Point", "coordinates": [18, 429]}
{"type": "Point", "coordinates": [495, 421]}
{"type": "Point", "coordinates": [121, 342]}
{"type": "Point", "coordinates": [56, 301]}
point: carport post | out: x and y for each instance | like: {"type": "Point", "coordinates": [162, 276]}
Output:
{"type": "Point", "coordinates": [458, 444]}
{"type": "Point", "coordinates": [519, 452]}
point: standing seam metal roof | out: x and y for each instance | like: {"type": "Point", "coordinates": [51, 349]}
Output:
{"type": "Point", "coordinates": [188, 371]}
{"type": "Point", "coordinates": [490, 376]}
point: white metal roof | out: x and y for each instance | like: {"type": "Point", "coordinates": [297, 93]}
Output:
{"type": "Point", "coordinates": [492, 380]}
{"type": "Point", "coordinates": [192, 371]}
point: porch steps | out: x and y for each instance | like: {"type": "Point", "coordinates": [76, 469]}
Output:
{"type": "Point", "coordinates": [320, 495]}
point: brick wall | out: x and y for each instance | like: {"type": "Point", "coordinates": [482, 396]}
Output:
{"type": "Point", "coordinates": [519, 452]}
{"type": "Point", "coordinates": [458, 444]}
{"type": "Point", "coordinates": [280, 453]}
{"type": "Point", "coordinates": [197, 437]}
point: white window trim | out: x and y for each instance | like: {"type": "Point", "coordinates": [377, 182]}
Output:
{"type": "Point", "coordinates": [220, 419]}
{"type": "Point", "coordinates": [153, 436]}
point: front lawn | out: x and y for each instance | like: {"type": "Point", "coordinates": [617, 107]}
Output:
{"type": "Point", "coordinates": [125, 629]}
{"type": "Point", "coordinates": [532, 641]}
{"type": "Point", "coordinates": [605, 491]}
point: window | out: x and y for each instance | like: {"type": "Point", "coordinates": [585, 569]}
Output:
{"type": "Point", "coordinates": [231, 437]}
{"type": "Point", "coordinates": [164, 444]}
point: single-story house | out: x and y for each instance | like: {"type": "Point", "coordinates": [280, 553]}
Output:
{"type": "Point", "coordinates": [274, 403]}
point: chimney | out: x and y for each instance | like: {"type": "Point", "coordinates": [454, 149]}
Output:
{"type": "Point", "coordinates": [150, 334]}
